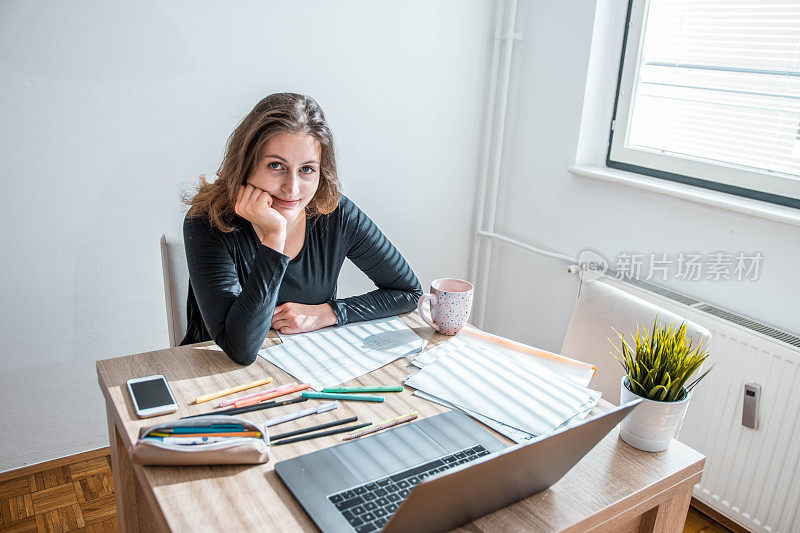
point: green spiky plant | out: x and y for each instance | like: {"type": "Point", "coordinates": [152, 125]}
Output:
{"type": "Point", "coordinates": [662, 362]}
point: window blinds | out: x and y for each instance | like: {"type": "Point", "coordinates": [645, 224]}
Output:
{"type": "Point", "coordinates": [719, 81]}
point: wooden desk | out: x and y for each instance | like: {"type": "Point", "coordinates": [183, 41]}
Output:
{"type": "Point", "coordinates": [614, 488]}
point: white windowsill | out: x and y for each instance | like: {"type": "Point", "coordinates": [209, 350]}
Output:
{"type": "Point", "coordinates": [736, 204]}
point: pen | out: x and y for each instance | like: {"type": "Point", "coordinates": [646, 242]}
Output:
{"type": "Point", "coordinates": [320, 434]}
{"type": "Point", "coordinates": [232, 401]}
{"type": "Point", "coordinates": [250, 408]}
{"type": "Point", "coordinates": [313, 428]}
{"type": "Point", "coordinates": [232, 390]}
{"type": "Point", "coordinates": [349, 397]}
{"type": "Point", "coordinates": [299, 414]}
{"type": "Point", "coordinates": [380, 426]}
{"type": "Point", "coordinates": [398, 388]}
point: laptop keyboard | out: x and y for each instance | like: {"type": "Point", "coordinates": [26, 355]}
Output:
{"type": "Point", "coordinates": [369, 506]}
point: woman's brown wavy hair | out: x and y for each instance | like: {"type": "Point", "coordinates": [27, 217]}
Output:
{"type": "Point", "coordinates": [277, 113]}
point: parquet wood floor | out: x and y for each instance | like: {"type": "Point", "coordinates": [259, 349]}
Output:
{"type": "Point", "coordinates": [74, 497]}
{"type": "Point", "coordinates": [79, 496]}
{"type": "Point", "coordinates": [697, 522]}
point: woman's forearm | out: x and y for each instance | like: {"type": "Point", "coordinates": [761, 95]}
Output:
{"type": "Point", "coordinates": [237, 316]}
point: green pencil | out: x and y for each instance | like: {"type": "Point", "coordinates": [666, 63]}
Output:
{"type": "Point", "coordinates": [352, 397]}
{"type": "Point", "coordinates": [398, 388]}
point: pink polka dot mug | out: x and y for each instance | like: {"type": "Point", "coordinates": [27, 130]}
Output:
{"type": "Point", "coordinates": [450, 303]}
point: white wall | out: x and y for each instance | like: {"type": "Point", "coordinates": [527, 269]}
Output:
{"type": "Point", "coordinates": [110, 110]}
{"type": "Point", "coordinates": [542, 204]}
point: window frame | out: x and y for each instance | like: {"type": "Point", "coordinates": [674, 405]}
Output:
{"type": "Point", "coordinates": [733, 179]}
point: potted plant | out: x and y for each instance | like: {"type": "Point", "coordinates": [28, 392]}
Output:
{"type": "Point", "coordinates": [657, 370]}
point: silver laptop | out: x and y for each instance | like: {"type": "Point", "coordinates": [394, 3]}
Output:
{"type": "Point", "coordinates": [434, 474]}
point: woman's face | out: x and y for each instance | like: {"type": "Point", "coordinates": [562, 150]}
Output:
{"type": "Point", "coordinates": [288, 169]}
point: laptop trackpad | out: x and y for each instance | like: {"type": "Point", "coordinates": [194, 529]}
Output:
{"type": "Point", "coordinates": [388, 452]}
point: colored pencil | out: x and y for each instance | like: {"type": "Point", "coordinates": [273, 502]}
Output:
{"type": "Point", "coordinates": [251, 408]}
{"type": "Point", "coordinates": [205, 429]}
{"type": "Point", "coordinates": [232, 401]}
{"type": "Point", "coordinates": [189, 440]}
{"type": "Point", "coordinates": [380, 426]}
{"type": "Point", "coordinates": [344, 390]}
{"type": "Point", "coordinates": [229, 434]}
{"type": "Point", "coordinates": [320, 434]}
{"type": "Point", "coordinates": [273, 438]}
{"type": "Point", "coordinates": [232, 390]}
{"type": "Point", "coordinates": [269, 395]}
{"type": "Point", "coordinates": [346, 397]}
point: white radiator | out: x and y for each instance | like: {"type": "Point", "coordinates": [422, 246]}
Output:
{"type": "Point", "coordinates": [751, 475]}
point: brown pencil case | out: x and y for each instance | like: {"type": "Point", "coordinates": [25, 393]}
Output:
{"type": "Point", "coordinates": [232, 450]}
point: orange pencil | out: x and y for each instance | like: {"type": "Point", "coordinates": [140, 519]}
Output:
{"type": "Point", "coordinates": [232, 390]}
{"type": "Point", "coordinates": [269, 395]}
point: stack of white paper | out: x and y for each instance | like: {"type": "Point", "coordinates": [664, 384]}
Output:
{"type": "Point", "coordinates": [331, 356]}
{"type": "Point", "coordinates": [566, 368]}
{"type": "Point", "coordinates": [518, 399]}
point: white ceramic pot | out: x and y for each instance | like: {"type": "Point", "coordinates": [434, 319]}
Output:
{"type": "Point", "coordinates": [651, 426]}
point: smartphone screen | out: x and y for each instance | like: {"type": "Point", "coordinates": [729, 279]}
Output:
{"type": "Point", "coordinates": [151, 393]}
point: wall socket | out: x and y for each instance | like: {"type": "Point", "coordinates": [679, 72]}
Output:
{"type": "Point", "coordinates": [752, 398]}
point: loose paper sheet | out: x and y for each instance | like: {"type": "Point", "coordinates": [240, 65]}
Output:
{"type": "Point", "coordinates": [332, 356]}
{"type": "Point", "coordinates": [512, 433]}
{"type": "Point", "coordinates": [477, 378]}
{"type": "Point", "coordinates": [577, 371]}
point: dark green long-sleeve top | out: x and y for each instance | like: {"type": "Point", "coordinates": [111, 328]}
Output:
{"type": "Point", "coordinates": [235, 282]}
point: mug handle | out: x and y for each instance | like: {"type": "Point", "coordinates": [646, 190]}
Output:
{"type": "Point", "coordinates": [422, 299]}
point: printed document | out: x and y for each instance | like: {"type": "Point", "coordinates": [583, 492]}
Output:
{"type": "Point", "coordinates": [335, 355]}
{"type": "Point", "coordinates": [566, 368]}
{"type": "Point", "coordinates": [477, 378]}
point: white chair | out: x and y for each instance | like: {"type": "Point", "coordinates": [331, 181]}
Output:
{"type": "Point", "coordinates": [601, 307]}
{"type": "Point", "coordinates": [176, 287]}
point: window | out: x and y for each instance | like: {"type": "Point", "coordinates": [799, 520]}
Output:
{"type": "Point", "coordinates": [709, 95]}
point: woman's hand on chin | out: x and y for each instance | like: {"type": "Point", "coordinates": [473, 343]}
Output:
{"type": "Point", "coordinates": [298, 318]}
{"type": "Point", "coordinates": [255, 205]}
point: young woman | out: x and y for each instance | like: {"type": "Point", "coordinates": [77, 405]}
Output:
{"type": "Point", "coordinates": [265, 242]}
